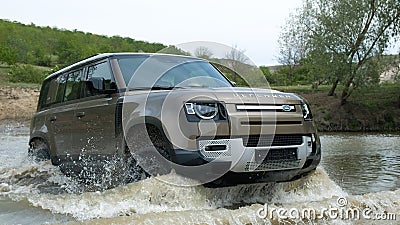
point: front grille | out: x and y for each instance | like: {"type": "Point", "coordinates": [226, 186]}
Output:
{"type": "Point", "coordinates": [281, 154]}
{"type": "Point", "coordinates": [282, 158]}
{"type": "Point", "coordinates": [271, 140]}
{"type": "Point", "coordinates": [274, 165]}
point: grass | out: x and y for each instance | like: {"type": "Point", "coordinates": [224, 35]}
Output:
{"type": "Point", "coordinates": [377, 97]}
{"type": "Point", "coordinates": [370, 96]}
{"type": "Point", "coordinates": [4, 71]}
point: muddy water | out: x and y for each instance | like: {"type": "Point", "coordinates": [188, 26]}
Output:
{"type": "Point", "coordinates": [363, 169]}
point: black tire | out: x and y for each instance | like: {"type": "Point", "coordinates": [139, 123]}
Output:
{"type": "Point", "coordinates": [39, 150]}
{"type": "Point", "coordinates": [149, 150]}
{"type": "Point", "coordinates": [134, 171]}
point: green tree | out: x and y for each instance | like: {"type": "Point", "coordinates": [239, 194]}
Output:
{"type": "Point", "coordinates": [174, 50]}
{"type": "Point", "coordinates": [292, 46]}
{"type": "Point", "coordinates": [267, 74]}
{"type": "Point", "coordinates": [343, 36]}
{"type": "Point", "coordinates": [45, 46]}
{"type": "Point", "coordinates": [26, 74]}
{"type": "Point", "coordinates": [8, 55]}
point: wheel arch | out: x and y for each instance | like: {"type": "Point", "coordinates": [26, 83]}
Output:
{"type": "Point", "coordinates": [38, 136]}
{"type": "Point", "coordinates": [138, 123]}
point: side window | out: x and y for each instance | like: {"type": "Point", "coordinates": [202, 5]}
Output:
{"type": "Point", "coordinates": [48, 93]}
{"type": "Point", "coordinates": [100, 75]}
{"type": "Point", "coordinates": [73, 86]}
{"type": "Point", "coordinates": [62, 81]}
{"type": "Point", "coordinates": [44, 92]}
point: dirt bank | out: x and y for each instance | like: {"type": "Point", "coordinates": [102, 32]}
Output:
{"type": "Point", "coordinates": [17, 105]}
{"type": "Point", "coordinates": [360, 114]}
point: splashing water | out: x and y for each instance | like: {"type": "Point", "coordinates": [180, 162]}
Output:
{"type": "Point", "coordinates": [39, 193]}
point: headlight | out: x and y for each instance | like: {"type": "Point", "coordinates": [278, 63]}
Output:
{"type": "Point", "coordinates": [204, 110]}
{"type": "Point", "coordinates": [307, 115]}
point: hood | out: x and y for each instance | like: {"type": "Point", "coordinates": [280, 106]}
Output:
{"type": "Point", "coordinates": [231, 95]}
{"type": "Point", "coordinates": [235, 95]}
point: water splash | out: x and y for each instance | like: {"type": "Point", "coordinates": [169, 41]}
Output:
{"type": "Point", "coordinates": [154, 196]}
{"type": "Point", "coordinates": [152, 201]}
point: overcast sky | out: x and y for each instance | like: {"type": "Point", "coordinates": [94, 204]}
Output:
{"type": "Point", "coordinates": [252, 25]}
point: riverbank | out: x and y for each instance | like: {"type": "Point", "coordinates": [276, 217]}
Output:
{"type": "Point", "coordinates": [17, 106]}
{"type": "Point", "coordinates": [369, 109]}
{"type": "Point", "coordinates": [372, 109]}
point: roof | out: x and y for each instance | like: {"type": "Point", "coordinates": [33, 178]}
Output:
{"type": "Point", "coordinates": [109, 55]}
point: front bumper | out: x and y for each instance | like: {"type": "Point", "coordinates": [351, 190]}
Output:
{"type": "Point", "coordinates": [255, 164]}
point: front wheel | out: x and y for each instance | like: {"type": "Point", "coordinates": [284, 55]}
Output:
{"type": "Point", "coordinates": [134, 171]}
{"type": "Point", "coordinates": [149, 149]}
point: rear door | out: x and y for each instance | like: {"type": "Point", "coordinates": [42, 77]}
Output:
{"type": "Point", "coordinates": [61, 117]}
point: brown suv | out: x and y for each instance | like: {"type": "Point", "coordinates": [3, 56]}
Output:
{"type": "Point", "coordinates": [166, 112]}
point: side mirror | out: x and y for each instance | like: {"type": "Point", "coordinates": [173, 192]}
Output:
{"type": "Point", "coordinates": [233, 83]}
{"type": "Point", "coordinates": [97, 83]}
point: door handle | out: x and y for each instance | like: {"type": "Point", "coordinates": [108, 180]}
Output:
{"type": "Point", "coordinates": [80, 114]}
{"type": "Point", "coordinates": [53, 118]}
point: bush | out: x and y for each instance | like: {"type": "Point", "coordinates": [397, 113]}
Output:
{"type": "Point", "coordinates": [26, 74]}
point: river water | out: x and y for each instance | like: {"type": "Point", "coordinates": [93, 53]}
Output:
{"type": "Point", "coordinates": [363, 170]}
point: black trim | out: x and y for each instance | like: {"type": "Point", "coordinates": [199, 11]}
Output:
{"type": "Point", "coordinates": [259, 123]}
{"type": "Point", "coordinates": [118, 117]}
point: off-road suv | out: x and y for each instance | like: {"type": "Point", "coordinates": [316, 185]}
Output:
{"type": "Point", "coordinates": [167, 112]}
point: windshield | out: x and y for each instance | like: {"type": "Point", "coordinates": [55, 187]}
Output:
{"type": "Point", "coordinates": [167, 72]}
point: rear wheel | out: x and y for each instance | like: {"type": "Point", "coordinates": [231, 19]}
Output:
{"type": "Point", "coordinates": [39, 150]}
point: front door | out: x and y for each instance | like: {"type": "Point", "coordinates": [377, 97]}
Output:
{"type": "Point", "coordinates": [95, 114]}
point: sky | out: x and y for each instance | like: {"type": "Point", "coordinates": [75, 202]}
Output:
{"type": "Point", "coordinates": [253, 26]}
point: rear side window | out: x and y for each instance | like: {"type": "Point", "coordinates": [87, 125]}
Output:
{"type": "Point", "coordinates": [50, 91]}
{"type": "Point", "coordinates": [73, 86]}
{"type": "Point", "coordinates": [44, 94]}
{"type": "Point", "coordinates": [62, 88]}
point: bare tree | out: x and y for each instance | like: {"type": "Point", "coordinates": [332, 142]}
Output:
{"type": "Point", "coordinates": [203, 52]}
{"type": "Point", "coordinates": [237, 55]}
{"type": "Point", "coordinates": [235, 60]}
